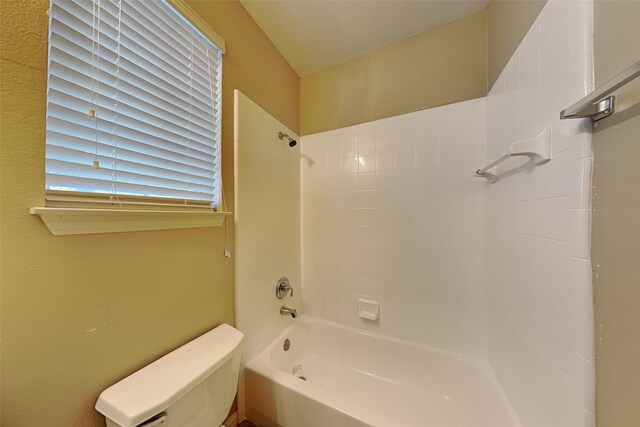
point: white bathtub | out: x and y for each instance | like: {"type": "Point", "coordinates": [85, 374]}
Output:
{"type": "Point", "coordinates": [354, 378]}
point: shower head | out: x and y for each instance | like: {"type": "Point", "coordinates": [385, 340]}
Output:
{"type": "Point", "coordinates": [292, 142]}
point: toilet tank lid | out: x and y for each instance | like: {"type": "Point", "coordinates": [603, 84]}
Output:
{"type": "Point", "coordinates": [158, 385]}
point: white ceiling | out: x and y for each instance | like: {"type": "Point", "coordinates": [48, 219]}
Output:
{"type": "Point", "coordinates": [317, 34]}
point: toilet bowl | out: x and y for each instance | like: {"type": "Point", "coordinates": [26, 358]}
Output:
{"type": "Point", "coordinates": [193, 386]}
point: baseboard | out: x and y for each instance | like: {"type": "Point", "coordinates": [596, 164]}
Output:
{"type": "Point", "coordinates": [232, 420]}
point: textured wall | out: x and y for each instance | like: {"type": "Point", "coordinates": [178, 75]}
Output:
{"type": "Point", "coordinates": [391, 211]}
{"type": "Point", "coordinates": [616, 231]}
{"type": "Point", "coordinates": [81, 312]}
{"type": "Point", "coordinates": [538, 268]}
{"type": "Point", "coordinates": [509, 21]}
{"type": "Point", "coordinates": [444, 65]}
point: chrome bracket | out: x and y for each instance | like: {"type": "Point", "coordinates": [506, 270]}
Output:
{"type": "Point", "coordinates": [600, 104]}
{"type": "Point", "coordinates": [594, 112]}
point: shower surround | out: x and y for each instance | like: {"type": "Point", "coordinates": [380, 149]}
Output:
{"type": "Point", "coordinates": [537, 229]}
{"type": "Point", "coordinates": [391, 211]}
{"type": "Point", "coordinates": [501, 272]}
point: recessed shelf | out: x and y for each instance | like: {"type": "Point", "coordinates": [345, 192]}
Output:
{"type": "Point", "coordinates": [71, 221]}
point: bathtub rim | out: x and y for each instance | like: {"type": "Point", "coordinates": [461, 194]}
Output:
{"type": "Point", "coordinates": [261, 364]}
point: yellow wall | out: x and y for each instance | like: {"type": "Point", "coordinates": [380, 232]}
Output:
{"type": "Point", "coordinates": [616, 222]}
{"type": "Point", "coordinates": [452, 63]}
{"type": "Point", "coordinates": [444, 65]}
{"type": "Point", "coordinates": [80, 312]}
{"type": "Point", "coordinates": [509, 21]}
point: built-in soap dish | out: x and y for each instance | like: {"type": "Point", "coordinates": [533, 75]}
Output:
{"type": "Point", "coordinates": [368, 309]}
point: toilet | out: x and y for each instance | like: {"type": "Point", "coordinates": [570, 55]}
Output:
{"type": "Point", "coordinates": [193, 386]}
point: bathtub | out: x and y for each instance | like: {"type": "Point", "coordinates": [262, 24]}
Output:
{"type": "Point", "coordinates": [335, 376]}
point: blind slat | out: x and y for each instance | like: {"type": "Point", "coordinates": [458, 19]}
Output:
{"type": "Point", "coordinates": [127, 97]}
{"type": "Point", "coordinates": [112, 174]}
{"type": "Point", "coordinates": [177, 163]}
{"type": "Point", "coordinates": [127, 164]}
{"type": "Point", "coordinates": [159, 78]}
{"type": "Point", "coordinates": [92, 186]}
{"type": "Point", "coordinates": [132, 117]}
{"type": "Point", "coordinates": [170, 68]}
{"type": "Point", "coordinates": [107, 125]}
{"type": "Point", "coordinates": [154, 82]}
{"type": "Point", "coordinates": [135, 22]}
{"type": "Point", "coordinates": [70, 132]}
{"type": "Point", "coordinates": [131, 84]}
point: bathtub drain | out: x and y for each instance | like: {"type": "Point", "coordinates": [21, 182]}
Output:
{"type": "Point", "coordinates": [302, 378]}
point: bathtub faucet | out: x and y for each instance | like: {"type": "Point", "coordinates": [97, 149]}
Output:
{"type": "Point", "coordinates": [286, 311]}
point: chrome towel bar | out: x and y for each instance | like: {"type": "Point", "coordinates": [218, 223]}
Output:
{"type": "Point", "coordinates": [538, 149]}
{"type": "Point", "coordinates": [597, 105]}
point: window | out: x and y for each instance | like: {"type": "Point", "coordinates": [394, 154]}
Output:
{"type": "Point", "coordinates": [133, 107]}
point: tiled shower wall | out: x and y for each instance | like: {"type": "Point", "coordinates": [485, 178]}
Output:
{"type": "Point", "coordinates": [537, 269]}
{"type": "Point", "coordinates": [391, 211]}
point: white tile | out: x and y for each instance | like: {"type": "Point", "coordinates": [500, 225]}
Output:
{"type": "Point", "coordinates": [582, 417]}
{"type": "Point", "coordinates": [467, 217]}
{"type": "Point", "coordinates": [585, 384]}
{"type": "Point", "coordinates": [460, 196]}
{"type": "Point", "coordinates": [366, 146]}
{"type": "Point", "coordinates": [386, 179]}
{"type": "Point", "coordinates": [583, 337]}
{"type": "Point", "coordinates": [530, 58]}
{"type": "Point", "coordinates": [579, 275]}
{"type": "Point", "coordinates": [580, 183]}
{"type": "Point", "coordinates": [350, 165]}
{"type": "Point", "coordinates": [556, 35]}
{"type": "Point", "coordinates": [406, 158]}
{"type": "Point", "coordinates": [385, 143]}
{"type": "Point", "coordinates": [349, 148]}
{"type": "Point", "coordinates": [548, 298]}
{"type": "Point", "coordinates": [549, 204]}
{"type": "Point", "coordinates": [349, 182]}
{"type": "Point", "coordinates": [408, 176]}
{"type": "Point", "coordinates": [427, 176]}
{"type": "Point", "coordinates": [366, 164]}
{"type": "Point", "coordinates": [551, 339]}
{"type": "Point", "coordinates": [461, 174]}
{"type": "Point", "coordinates": [546, 218]}
{"type": "Point", "coordinates": [385, 161]}
{"type": "Point", "coordinates": [579, 233]}
{"type": "Point", "coordinates": [366, 131]}
{"type": "Point", "coordinates": [403, 192]}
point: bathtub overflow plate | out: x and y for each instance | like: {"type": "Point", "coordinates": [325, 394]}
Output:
{"type": "Point", "coordinates": [286, 345]}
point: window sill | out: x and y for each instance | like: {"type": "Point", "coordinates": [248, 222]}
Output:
{"type": "Point", "coordinates": [70, 221]}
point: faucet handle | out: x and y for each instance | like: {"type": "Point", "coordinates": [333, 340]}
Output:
{"type": "Point", "coordinates": [283, 287]}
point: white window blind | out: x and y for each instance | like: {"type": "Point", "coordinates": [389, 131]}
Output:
{"type": "Point", "coordinates": [133, 106]}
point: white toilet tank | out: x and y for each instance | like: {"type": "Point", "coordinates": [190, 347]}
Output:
{"type": "Point", "coordinates": [193, 386]}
